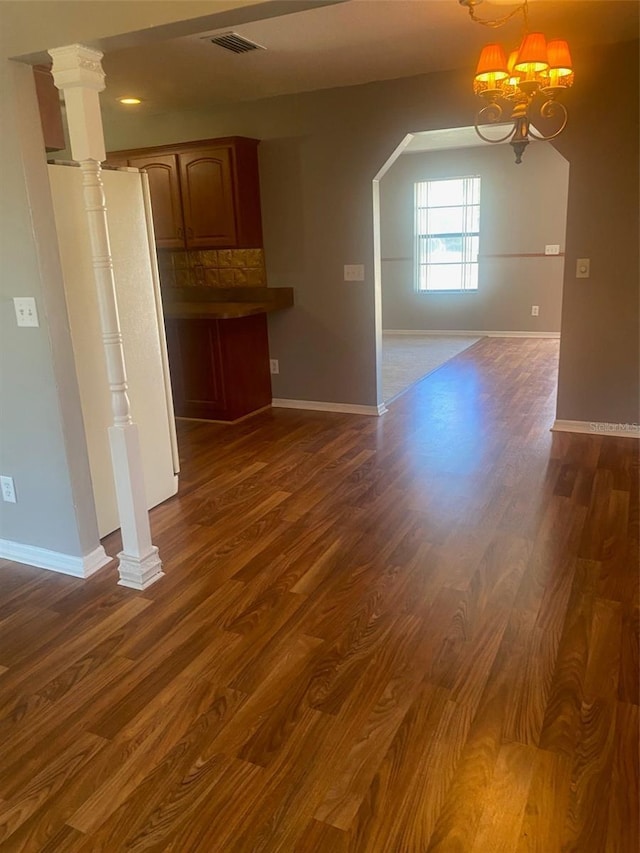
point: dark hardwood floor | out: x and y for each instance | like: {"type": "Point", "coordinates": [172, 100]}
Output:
{"type": "Point", "coordinates": [405, 634]}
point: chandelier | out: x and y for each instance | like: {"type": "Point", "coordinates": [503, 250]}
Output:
{"type": "Point", "coordinates": [529, 80]}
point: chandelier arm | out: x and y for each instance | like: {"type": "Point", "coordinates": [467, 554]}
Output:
{"type": "Point", "coordinates": [492, 113]}
{"type": "Point", "coordinates": [548, 110]}
{"type": "Point", "coordinates": [487, 138]}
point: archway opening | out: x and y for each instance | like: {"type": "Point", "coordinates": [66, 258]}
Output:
{"type": "Point", "coordinates": [466, 246]}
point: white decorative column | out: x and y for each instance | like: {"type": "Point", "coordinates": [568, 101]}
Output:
{"type": "Point", "coordinates": [77, 71]}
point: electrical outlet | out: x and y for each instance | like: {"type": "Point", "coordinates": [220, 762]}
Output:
{"type": "Point", "coordinates": [26, 311]}
{"type": "Point", "coordinates": [583, 268]}
{"type": "Point", "coordinates": [552, 249]}
{"type": "Point", "coordinates": [535, 310]}
{"type": "Point", "coordinates": [8, 490]}
{"type": "Point", "coordinates": [274, 365]}
{"type": "Point", "coordinates": [354, 272]}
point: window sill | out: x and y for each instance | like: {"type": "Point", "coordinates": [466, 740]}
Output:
{"type": "Point", "coordinates": [446, 292]}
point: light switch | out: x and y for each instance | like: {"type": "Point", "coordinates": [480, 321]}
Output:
{"type": "Point", "coordinates": [26, 311]}
{"type": "Point", "coordinates": [354, 272]}
{"type": "Point", "coordinates": [552, 249]}
{"type": "Point", "coordinates": [583, 268]}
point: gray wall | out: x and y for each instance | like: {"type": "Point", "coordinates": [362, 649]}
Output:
{"type": "Point", "coordinates": [42, 442]}
{"type": "Point", "coordinates": [600, 350]}
{"type": "Point", "coordinates": [522, 209]}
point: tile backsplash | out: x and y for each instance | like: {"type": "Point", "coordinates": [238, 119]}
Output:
{"type": "Point", "coordinates": [212, 268]}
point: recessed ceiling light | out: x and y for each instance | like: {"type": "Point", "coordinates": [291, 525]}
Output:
{"type": "Point", "coordinates": [130, 101]}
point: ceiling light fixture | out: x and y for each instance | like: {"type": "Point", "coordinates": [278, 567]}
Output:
{"type": "Point", "coordinates": [130, 101]}
{"type": "Point", "coordinates": [533, 76]}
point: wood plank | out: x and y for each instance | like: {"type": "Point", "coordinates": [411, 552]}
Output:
{"type": "Point", "coordinates": [623, 827]}
{"type": "Point", "coordinates": [15, 814]}
{"type": "Point", "coordinates": [547, 804]}
{"type": "Point", "coordinates": [145, 741]}
{"type": "Point", "coordinates": [587, 815]}
{"type": "Point", "coordinates": [386, 816]}
{"type": "Point", "coordinates": [505, 800]}
{"type": "Point", "coordinates": [322, 838]}
{"type": "Point", "coordinates": [66, 840]}
{"type": "Point", "coordinates": [561, 726]}
{"type": "Point", "coordinates": [67, 661]}
{"type": "Point", "coordinates": [464, 804]}
{"type": "Point", "coordinates": [347, 790]}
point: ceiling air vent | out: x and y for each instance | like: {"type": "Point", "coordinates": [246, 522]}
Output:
{"type": "Point", "coordinates": [235, 43]}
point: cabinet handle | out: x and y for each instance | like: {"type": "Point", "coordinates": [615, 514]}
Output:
{"type": "Point", "coordinates": [189, 231]}
{"type": "Point", "coordinates": [180, 231]}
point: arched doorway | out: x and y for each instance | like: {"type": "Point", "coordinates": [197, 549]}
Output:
{"type": "Point", "coordinates": [512, 284]}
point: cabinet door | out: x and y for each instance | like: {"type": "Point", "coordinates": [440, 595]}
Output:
{"type": "Point", "coordinates": [208, 198]}
{"type": "Point", "coordinates": [164, 186]}
{"type": "Point", "coordinates": [245, 362]}
{"type": "Point", "coordinates": [197, 373]}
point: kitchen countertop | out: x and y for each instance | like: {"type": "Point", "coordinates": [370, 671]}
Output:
{"type": "Point", "coordinates": [215, 310]}
{"type": "Point", "coordinates": [211, 303]}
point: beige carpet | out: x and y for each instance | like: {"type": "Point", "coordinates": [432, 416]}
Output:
{"type": "Point", "coordinates": [408, 358]}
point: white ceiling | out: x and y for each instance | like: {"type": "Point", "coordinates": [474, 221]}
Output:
{"type": "Point", "coordinates": [349, 43]}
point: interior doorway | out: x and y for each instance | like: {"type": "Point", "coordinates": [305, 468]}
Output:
{"type": "Point", "coordinates": [467, 245]}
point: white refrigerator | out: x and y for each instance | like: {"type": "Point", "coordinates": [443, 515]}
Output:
{"type": "Point", "coordinates": [142, 323]}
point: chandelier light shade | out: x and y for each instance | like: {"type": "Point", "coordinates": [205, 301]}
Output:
{"type": "Point", "coordinates": [533, 77]}
{"type": "Point", "coordinates": [559, 57]}
{"type": "Point", "coordinates": [532, 55]}
{"type": "Point", "coordinates": [492, 62]}
{"type": "Point", "coordinates": [559, 75]}
{"type": "Point", "coordinates": [491, 72]}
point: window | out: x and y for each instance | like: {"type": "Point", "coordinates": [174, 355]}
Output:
{"type": "Point", "coordinates": [447, 228]}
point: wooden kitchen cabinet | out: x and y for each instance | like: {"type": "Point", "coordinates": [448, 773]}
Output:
{"type": "Point", "coordinates": [206, 175]}
{"type": "Point", "coordinates": [219, 368]}
{"type": "Point", "coordinates": [164, 187]}
{"type": "Point", "coordinates": [204, 195]}
{"type": "Point", "coordinates": [50, 109]}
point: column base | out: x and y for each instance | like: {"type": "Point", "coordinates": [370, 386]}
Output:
{"type": "Point", "coordinates": [140, 572]}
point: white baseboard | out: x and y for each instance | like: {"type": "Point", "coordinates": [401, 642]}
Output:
{"type": "Point", "coordinates": [54, 561]}
{"type": "Point", "coordinates": [616, 430]}
{"type": "Point", "coordinates": [315, 406]}
{"type": "Point", "coordinates": [470, 333]}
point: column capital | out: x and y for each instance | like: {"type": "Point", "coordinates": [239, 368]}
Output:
{"type": "Point", "coordinates": [77, 72]}
{"type": "Point", "coordinates": [77, 66]}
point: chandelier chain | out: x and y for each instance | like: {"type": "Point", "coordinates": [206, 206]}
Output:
{"type": "Point", "coordinates": [500, 22]}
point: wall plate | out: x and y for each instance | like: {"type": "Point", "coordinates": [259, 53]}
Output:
{"type": "Point", "coordinates": [583, 268]}
{"type": "Point", "coordinates": [8, 489]}
{"type": "Point", "coordinates": [354, 272]}
{"type": "Point", "coordinates": [26, 311]}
